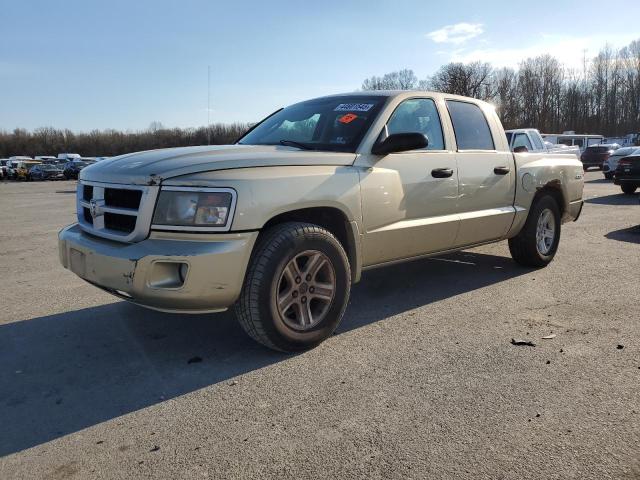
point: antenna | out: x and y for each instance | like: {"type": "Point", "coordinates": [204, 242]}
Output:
{"type": "Point", "coordinates": [208, 104]}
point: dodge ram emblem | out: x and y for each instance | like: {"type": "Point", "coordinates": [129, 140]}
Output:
{"type": "Point", "coordinates": [95, 208]}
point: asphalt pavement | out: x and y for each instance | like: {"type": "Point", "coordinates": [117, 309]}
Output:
{"type": "Point", "coordinates": [420, 381]}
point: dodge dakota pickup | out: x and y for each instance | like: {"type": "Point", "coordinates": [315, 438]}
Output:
{"type": "Point", "coordinates": [280, 224]}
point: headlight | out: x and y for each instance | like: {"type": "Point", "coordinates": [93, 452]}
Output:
{"type": "Point", "coordinates": [192, 208]}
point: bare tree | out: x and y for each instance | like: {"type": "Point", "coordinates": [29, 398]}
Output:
{"type": "Point", "coordinates": [474, 79]}
{"type": "Point", "coordinates": [401, 80]}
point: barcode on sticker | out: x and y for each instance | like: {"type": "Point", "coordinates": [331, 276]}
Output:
{"type": "Point", "coordinates": [353, 107]}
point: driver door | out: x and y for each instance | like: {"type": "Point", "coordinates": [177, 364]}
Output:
{"type": "Point", "coordinates": [409, 198]}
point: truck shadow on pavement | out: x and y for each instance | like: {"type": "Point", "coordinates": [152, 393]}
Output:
{"type": "Point", "coordinates": [631, 235]}
{"type": "Point", "coordinates": [66, 372]}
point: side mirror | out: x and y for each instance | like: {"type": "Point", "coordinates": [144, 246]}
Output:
{"type": "Point", "coordinates": [400, 142]}
{"type": "Point", "coordinates": [520, 149]}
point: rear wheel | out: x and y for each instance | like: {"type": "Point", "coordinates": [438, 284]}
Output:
{"type": "Point", "coordinates": [628, 188]}
{"type": "Point", "coordinates": [537, 242]}
{"type": "Point", "coordinates": [296, 287]}
{"type": "Point", "coordinates": [608, 175]}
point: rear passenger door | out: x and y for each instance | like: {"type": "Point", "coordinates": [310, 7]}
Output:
{"type": "Point", "coordinates": [486, 175]}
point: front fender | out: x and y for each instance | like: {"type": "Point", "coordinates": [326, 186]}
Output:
{"type": "Point", "coordinates": [265, 192]}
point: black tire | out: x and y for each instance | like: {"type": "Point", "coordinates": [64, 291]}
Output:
{"type": "Point", "coordinates": [628, 188]}
{"type": "Point", "coordinates": [256, 308]}
{"type": "Point", "coordinates": [523, 247]}
{"type": "Point", "coordinates": [608, 175]}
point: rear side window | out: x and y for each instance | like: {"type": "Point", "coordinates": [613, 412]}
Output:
{"type": "Point", "coordinates": [470, 126]}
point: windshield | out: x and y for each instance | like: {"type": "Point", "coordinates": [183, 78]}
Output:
{"type": "Point", "coordinates": [330, 123]}
{"type": "Point", "coordinates": [598, 149]}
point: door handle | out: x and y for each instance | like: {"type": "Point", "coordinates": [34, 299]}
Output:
{"type": "Point", "coordinates": [501, 170]}
{"type": "Point", "coordinates": [441, 172]}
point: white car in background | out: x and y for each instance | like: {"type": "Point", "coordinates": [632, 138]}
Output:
{"type": "Point", "coordinates": [530, 140]}
{"type": "Point", "coordinates": [610, 164]}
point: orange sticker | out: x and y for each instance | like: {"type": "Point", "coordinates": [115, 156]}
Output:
{"type": "Point", "coordinates": [348, 118]}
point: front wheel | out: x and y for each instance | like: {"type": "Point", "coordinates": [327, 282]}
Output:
{"type": "Point", "coordinates": [296, 287]}
{"type": "Point", "coordinates": [537, 242]}
{"type": "Point", "coordinates": [628, 188]}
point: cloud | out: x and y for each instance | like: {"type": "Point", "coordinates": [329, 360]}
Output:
{"type": "Point", "coordinates": [570, 51]}
{"type": "Point", "coordinates": [456, 34]}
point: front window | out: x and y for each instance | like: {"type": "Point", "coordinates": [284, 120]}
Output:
{"type": "Point", "coordinates": [522, 140]}
{"type": "Point", "coordinates": [332, 123]}
{"type": "Point", "coordinates": [418, 115]}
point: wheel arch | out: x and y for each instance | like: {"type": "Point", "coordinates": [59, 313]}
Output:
{"type": "Point", "coordinates": [554, 189]}
{"type": "Point", "coordinates": [334, 220]}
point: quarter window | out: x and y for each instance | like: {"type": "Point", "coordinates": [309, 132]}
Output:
{"type": "Point", "coordinates": [470, 126]}
{"type": "Point", "coordinates": [418, 115]}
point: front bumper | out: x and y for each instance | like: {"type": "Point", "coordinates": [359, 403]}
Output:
{"type": "Point", "coordinates": [144, 272]}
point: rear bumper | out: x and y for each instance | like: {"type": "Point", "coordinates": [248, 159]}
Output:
{"type": "Point", "coordinates": [626, 180]}
{"type": "Point", "coordinates": [592, 164]}
{"type": "Point", "coordinates": [573, 211]}
{"type": "Point", "coordinates": [148, 272]}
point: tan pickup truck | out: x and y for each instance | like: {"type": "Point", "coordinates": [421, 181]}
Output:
{"type": "Point", "coordinates": [280, 224]}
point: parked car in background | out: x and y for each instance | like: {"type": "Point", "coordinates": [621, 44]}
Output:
{"type": "Point", "coordinates": [45, 172]}
{"type": "Point", "coordinates": [525, 138]}
{"type": "Point", "coordinates": [73, 168]}
{"type": "Point", "coordinates": [627, 173]}
{"type": "Point", "coordinates": [66, 157]}
{"type": "Point", "coordinates": [572, 139]}
{"type": "Point", "coordinates": [47, 159]}
{"type": "Point", "coordinates": [4, 170]}
{"type": "Point", "coordinates": [595, 155]}
{"type": "Point", "coordinates": [530, 139]}
{"type": "Point", "coordinates": [13, 162]}
{"type": "Point", "coordinates": [21, 168]}
{"type": "Point", "coordinates": [611, 163]}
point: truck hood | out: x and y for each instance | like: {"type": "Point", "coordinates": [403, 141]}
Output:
{"type": "Point", "coordinates": [153, 166]}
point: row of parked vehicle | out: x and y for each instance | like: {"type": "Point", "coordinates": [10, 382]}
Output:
{"type": "Point", "coordinates": [623, 166]}
{"type": "Point", "coordinates": [66, 166]}
{"type": "Point", "coordinates": [620, 164]}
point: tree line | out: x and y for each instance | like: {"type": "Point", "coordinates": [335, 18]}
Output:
{"type": "Point", "coordinates": [99, 143]}
{"type": "Point", "coordinates": [603, 97]}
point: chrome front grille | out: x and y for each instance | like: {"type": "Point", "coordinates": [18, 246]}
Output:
{"type": "Point", "coordinates": [117, 212]}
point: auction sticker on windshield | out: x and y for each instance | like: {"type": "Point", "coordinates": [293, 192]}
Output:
{"type": "Point", "coordinates": [348, 118]}
{"type": "Point", "coordinates": [353, 107]}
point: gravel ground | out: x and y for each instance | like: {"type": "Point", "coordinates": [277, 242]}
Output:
{"type": "Point", "coordinates": [420, 381]}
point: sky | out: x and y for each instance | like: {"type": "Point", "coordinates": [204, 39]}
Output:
{"type": "Point", "coordinates": [96, 64]}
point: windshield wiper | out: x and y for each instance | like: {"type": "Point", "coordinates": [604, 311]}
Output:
{"type": "Point", "coordinates": [293, 143]}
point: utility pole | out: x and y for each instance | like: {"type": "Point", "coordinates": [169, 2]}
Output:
{"type": "Point", "coordinates": [208, 104]}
